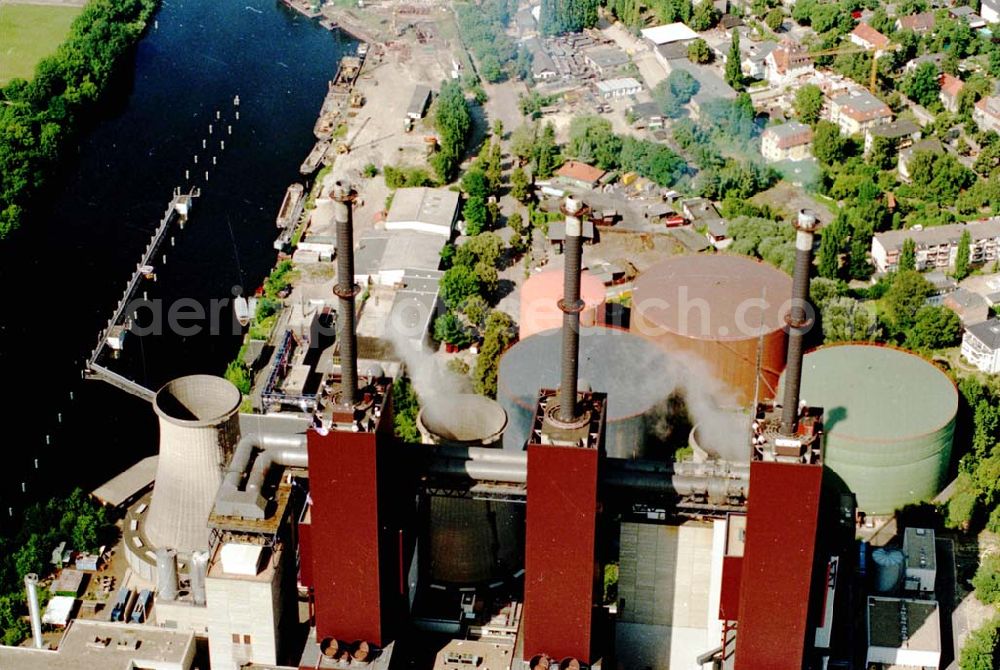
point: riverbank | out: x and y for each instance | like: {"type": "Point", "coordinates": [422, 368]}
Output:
{"type": "Point", "coordinates": [66, 86]}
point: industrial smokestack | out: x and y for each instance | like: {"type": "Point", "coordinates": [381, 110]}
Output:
{"type": "Point", "coordinates": [798, 320]}
{"type": "Point", "coordinates": [166, 573]}
{"type": "Point", "coordinates": [345, 290]}
{"type": "Point", "coordinates": [571, 306]}
{"type": "Point", "coordinates": [34, 611]}
{"type": "Point", "coordinates": [199, 426]}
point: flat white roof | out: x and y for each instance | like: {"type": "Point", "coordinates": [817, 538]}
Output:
{"type": "Point", "coordinates": [671, 32]}
{"type": "Point", "coordinates": [240, 559]}
{"type": "Point", "coordinates": [624, 83]}
{"type": "Point", "coordinates": [58, 610]}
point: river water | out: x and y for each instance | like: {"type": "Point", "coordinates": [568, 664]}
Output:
{"type": "Point", "coordinates": [64, 273]}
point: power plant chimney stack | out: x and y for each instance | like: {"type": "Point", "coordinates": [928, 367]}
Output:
{"type": "Point", "coordinates": [571, 306]}
{"type": "Point", "coordinates": [798, 320]}
{"type": "Point", "coordinates": [345, 290]}
{"type": "Point", "coordinates": [34, 610]}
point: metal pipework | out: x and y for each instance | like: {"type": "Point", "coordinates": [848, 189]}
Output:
{"type": "Point", "coordinates": [241, 491]}
{"type": "Point", "coordinates": [798, 320]}
{"type": "Point", "coordinates": [345, 290]}
{"type": "Point", "coordinates": [571, 306]}
{"type": "Point", "coordinates": [34, 610]}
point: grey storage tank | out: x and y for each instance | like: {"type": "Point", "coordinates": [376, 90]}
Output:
{"type": "Point", "coordinates": [637, 376]}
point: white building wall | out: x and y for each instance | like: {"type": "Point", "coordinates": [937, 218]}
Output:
{"type": "Point", "coordinates": [979, 355]}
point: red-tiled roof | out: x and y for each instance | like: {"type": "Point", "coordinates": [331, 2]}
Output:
{"type": "Point", "coordinates": [951, 86]}
{"type": "Point", "coordinates": [871, 36]}
{"type": "Point", "coordinates": [580, 172]}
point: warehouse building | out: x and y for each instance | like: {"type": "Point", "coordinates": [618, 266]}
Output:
{"type": "Point", "coordinates": [424, 210]}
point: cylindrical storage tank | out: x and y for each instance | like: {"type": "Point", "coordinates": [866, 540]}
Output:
{"type": "Point", "coordinates": [889, 417]}
{"type": "Point", "coordinates": [637, 377]}
{"type": "Point", "coordinates": [541, 294]}
{"type": "Point", "coordinates": [199, 426]}
{"type": "Point", "coordinates": [889, 564]}
{"type": "Point", "coordinates": [34, 609]}
{"type": "Point", "coordinates": [166, 573]}
{"type": "Point", "coordinates": [720, 310]}
{"type": "Point", "coordinates": [464, 419]}
{"type": "Point", "coordinates": [469, 541]}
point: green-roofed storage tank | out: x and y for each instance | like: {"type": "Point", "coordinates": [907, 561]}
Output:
{"type": "Point", "coordinates": [889, 417]}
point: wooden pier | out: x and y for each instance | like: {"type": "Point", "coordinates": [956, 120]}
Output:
{"type": "Point", "coordinates": [176, 212]}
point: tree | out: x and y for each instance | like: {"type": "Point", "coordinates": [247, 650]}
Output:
{"type": "Point", "coordinates": [498, 334]}
{"type": "Point", "coordinates": [239, 376]}
{"type": "Point", "coordinates": [734, 71]}
{"type": "Point", "coordinates": [405, 406]}
{"type": "Point", "coordinates": [457, 284]}
{"type": "Point", "coordinates": [832, 241]}
{"type": "Point", "coordinates": [923, 86]}
{"type": "Point", "coordinates": [906, 295]}
{"type": "Point", "coordinates": [980, 650]}
{"type": "Point", "coordinates": [474, 183]}
{"type": "Point", "coordinates": [934, 327]}
{"type": "Point", "coordinates": [485, 248]}
{"type": "Point", "coordinates": [847, 320]}
{"type": "Point", "coordinates": [476, 309]}
{"type": "Point", "coordinates": [908, 255]}
{"type": "Point", "coordinates": [808, 103]}
{"type": "Point", "coordinates": [675, 91]}
{"type": "Point", "coordinates": [453, 121]}
{"type": "Point", "coordinates": [476, 215]}
{"type": "Point", "coordinates": [498, 129]}
{"type": "Point", "coordinates": [546, 152]}
{"type": "Point", "coordinates": [704, 17]}
{"type": "Point", "coordinates": [962, 256]}
{"type": "Point", "coordinates": [883, 153]}
{"type": "Point", "coordinates": [449, 329]}
{"type": "Point", "coordinates": [698, 52]}
{"type": "Point", "coordinates": [592, 140]}
{"type": "Point", "coordinates": [520, 185]}
{"type": "Point", "coordinates": [774, 19]}
{"type": "Point", "coordinates": [987, 580]}
{"type": "Point", "coordinates": [522, 142]}
{"type": "Point", "coordinates": [829, 147]}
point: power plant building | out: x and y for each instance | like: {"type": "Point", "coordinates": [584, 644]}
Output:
{"type": "Point", "coordinates": [721, 310]}
{"type": "Point", "coordinates": [890, 421]}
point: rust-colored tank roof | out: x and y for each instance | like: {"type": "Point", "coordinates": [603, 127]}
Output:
{"type": "Point", "coordinates": [715, 297]}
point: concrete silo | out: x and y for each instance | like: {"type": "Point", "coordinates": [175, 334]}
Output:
{"type": "Point", "coordinates": [468, 541]}
{"type": "Point", "coordinates": [889, 421]}
{"type": "Point", "coordinates": [199, 426]}
{"type": "Point", "coordinates": [720, 310]}
{"type": "Point", "coordinates": [541, 294]}
{"type": "Point", "coordinates": [637, 377]}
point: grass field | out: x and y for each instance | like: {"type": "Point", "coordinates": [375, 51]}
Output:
{"type": "Point", "coordinates": [29, 33]}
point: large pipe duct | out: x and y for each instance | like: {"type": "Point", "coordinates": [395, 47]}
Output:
{"type": "Point", "coordinates": [345, 290]}
{"type": "Point", "coordinates": [199, 425]}
{"type": "Point", "coordinates": [240, 492]}
{"type": "Point", "coordinates": [199, 573]}
{"type": "Point", "coordinates": [571, 306]}
{"type": "Point", "coordinates": [798, 320]}
{"type": "Point", "coordinates": [34, 609]}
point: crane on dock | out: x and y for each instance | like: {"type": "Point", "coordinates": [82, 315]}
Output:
{"type": "Point", "coordinates": [345, 146]}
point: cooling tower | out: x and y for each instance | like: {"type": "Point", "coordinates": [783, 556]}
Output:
{"type": "Point", "coordinates": [199, 426]}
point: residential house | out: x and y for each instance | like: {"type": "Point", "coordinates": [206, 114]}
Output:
{"type": "Point", "coordinates": [754, 63]}
{"type": "Point", "coordinates": [786, 63]}
{"type": "Point", "coordinates": [613, 89]}
{"type": "Point", "coordinates": [981, 344]}
{"type": "Point", "coordinates": [970, 307]}
{"type": "Point", "coordinates": [543, 68]}
{"type": "Point", "coordinates": [951, 87]}
{"type": "Point", "coordinates": [605, 61]}
{"type": "Point", "coordinates": [857, 111]}
{"type": "Point", "coordinates": [990, 11]}
{"type": "Point", "coordinates": [986, 113]}
{"type": "Point", "coordinates": [936, 247]}
{"type": "Point", "coordinates": [867, 37]}
{"type": "Point", "coordinates": [936, 58]}
{"type": "Point", "coordinates": [967, 14]}
{"type": "Point", "coordinates": [788, 141]}
{"type": "Point", "coordinates": [902, 131]}
{"type": "Point", "coordinates": [579, 174]}
{"type": "Point", "coordinates": [703, 215]}
{"type": "Point", "coordinates": [931, 145]}
{"type": "Point", "coordinates": [918, 23]}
